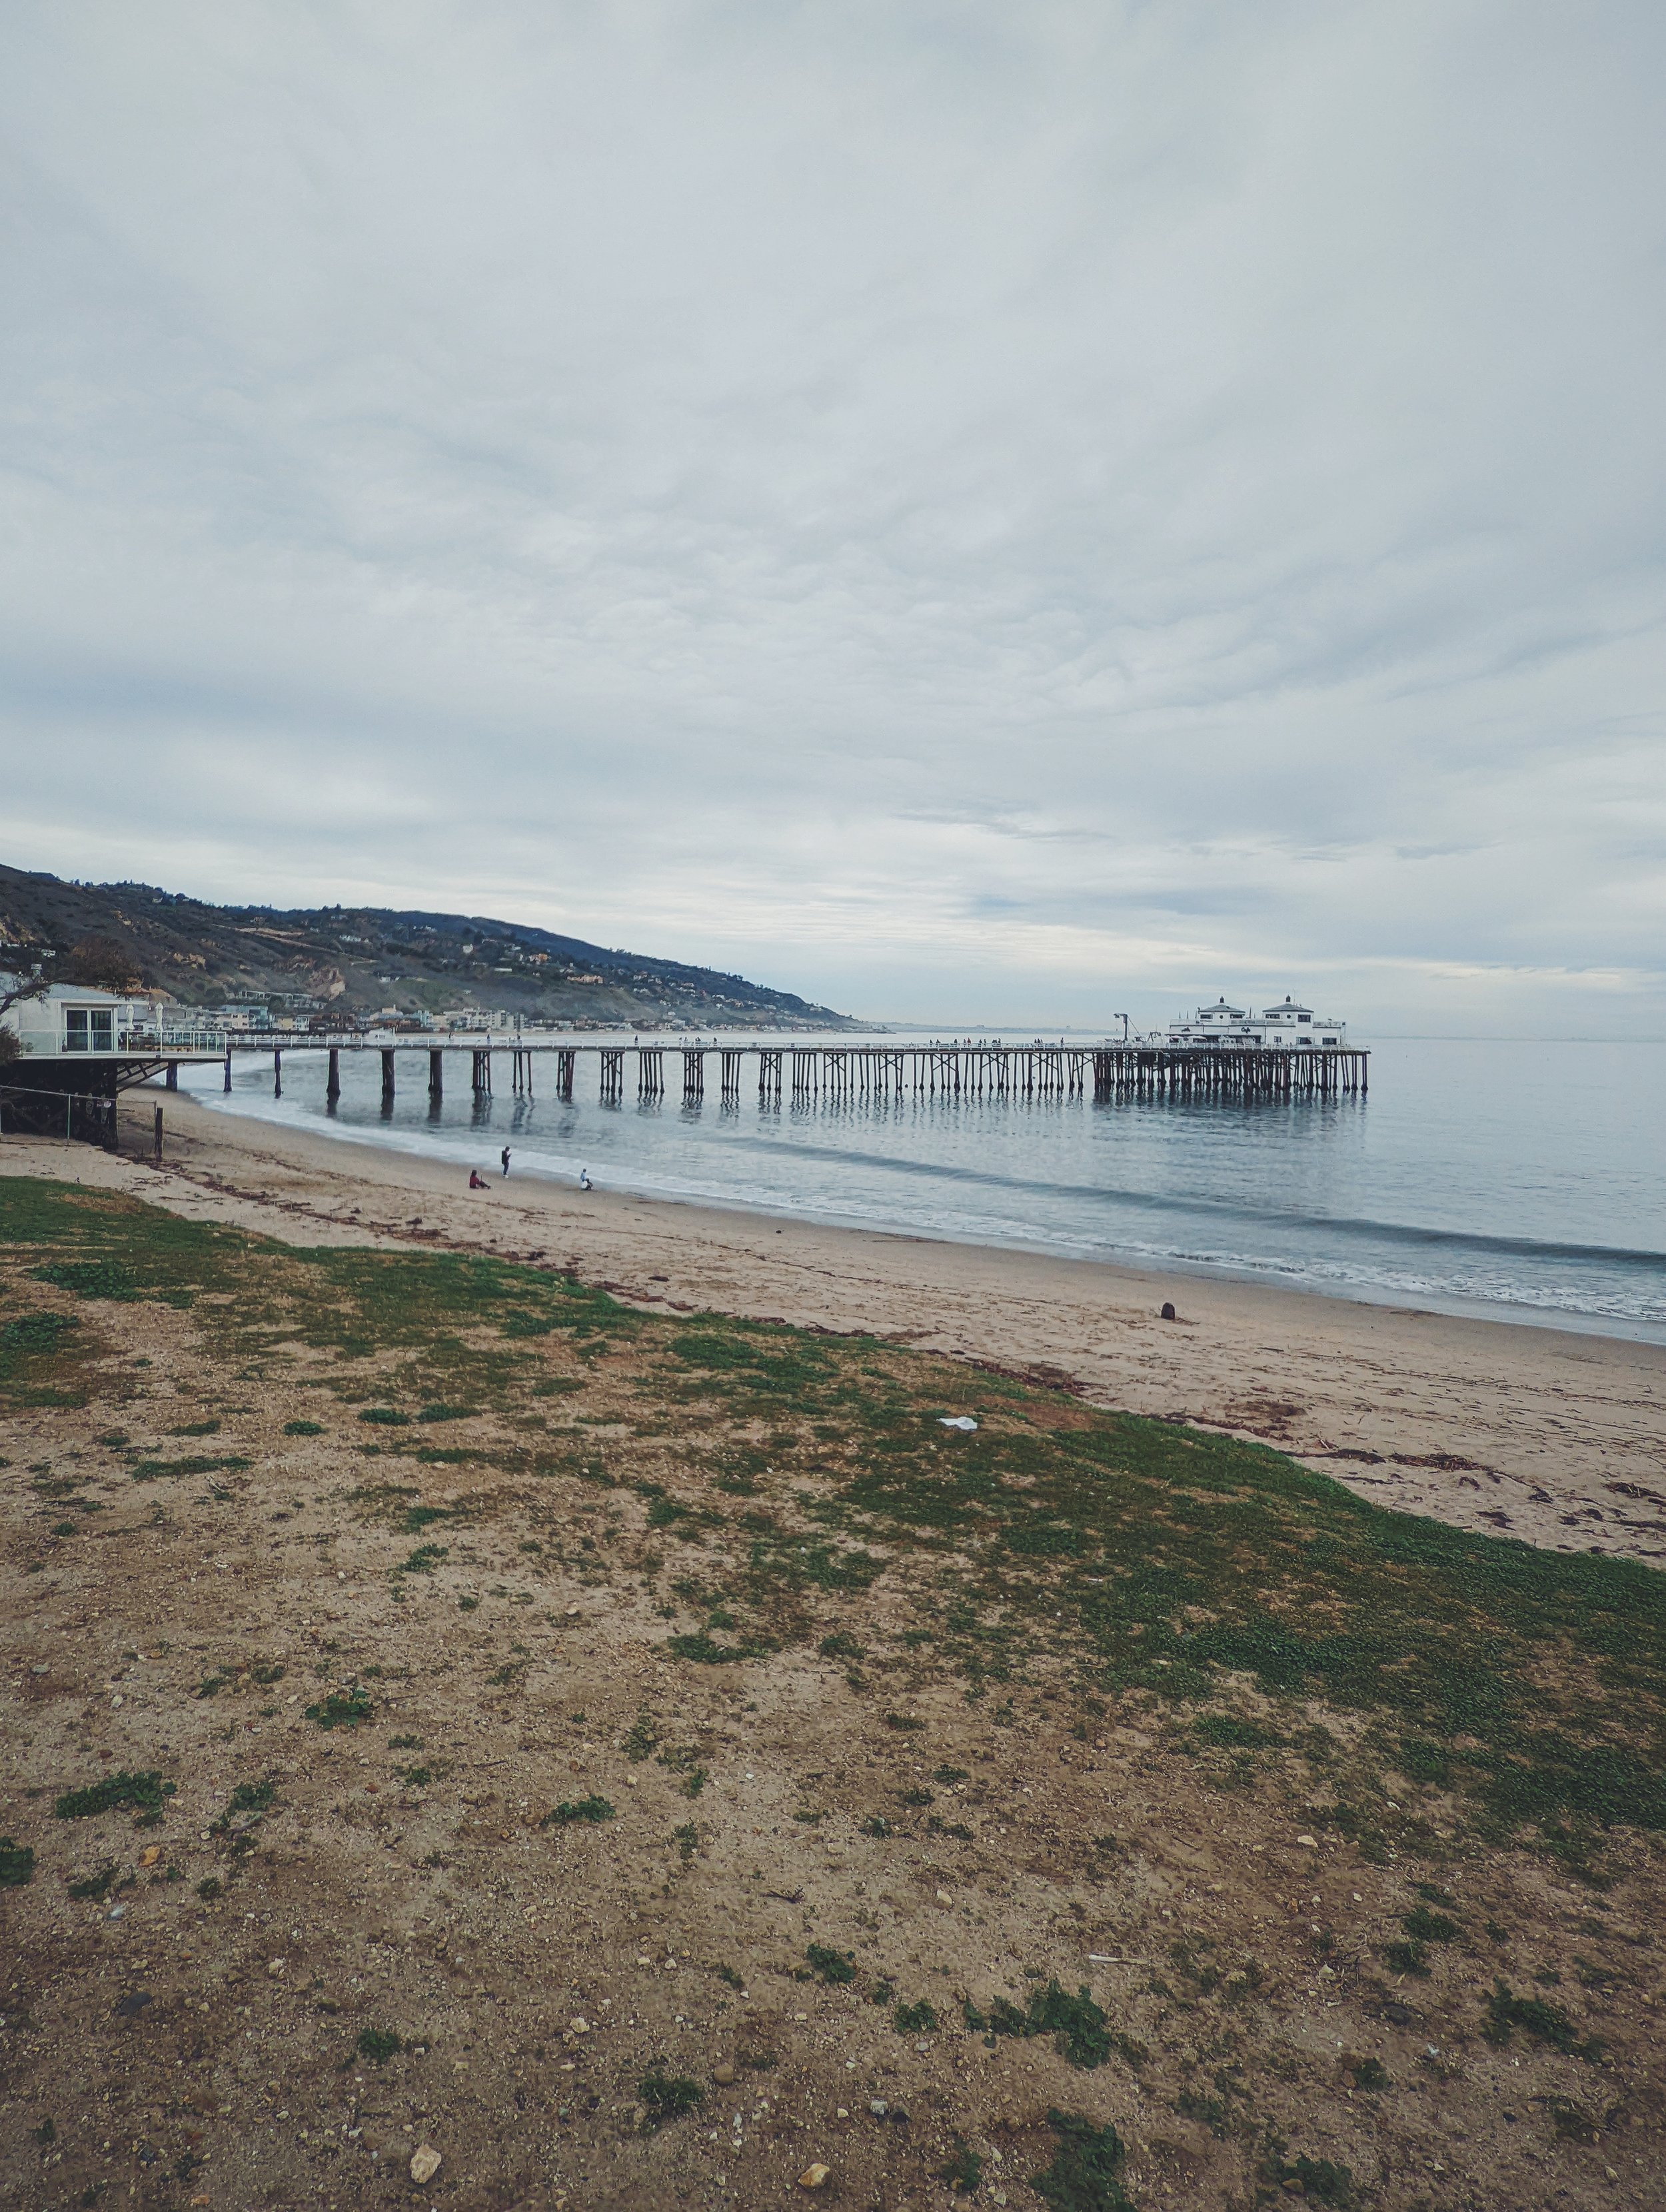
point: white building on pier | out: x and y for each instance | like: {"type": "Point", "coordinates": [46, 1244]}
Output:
{"type": "Point", "coordinates": [1287, 1027]}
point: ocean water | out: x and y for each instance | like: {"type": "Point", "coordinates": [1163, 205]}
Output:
{"type": "Point", "coordinates": [1524, 1181]}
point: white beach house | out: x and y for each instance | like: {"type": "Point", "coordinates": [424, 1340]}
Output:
{"type": "Point", "coordinates": [69, 1023]}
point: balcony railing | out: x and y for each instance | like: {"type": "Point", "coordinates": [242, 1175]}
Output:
{"type": "Point", "coordinates": [171, 1039]}
{"type": "Point", "coordinates": [168, 1039]}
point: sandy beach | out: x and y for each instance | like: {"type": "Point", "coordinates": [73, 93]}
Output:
{"type": "Point", "coordinates": [1554, 1438]}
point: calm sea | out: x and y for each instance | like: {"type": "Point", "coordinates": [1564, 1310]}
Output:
{"type": "Point", "coordinates": [1519, 1180]}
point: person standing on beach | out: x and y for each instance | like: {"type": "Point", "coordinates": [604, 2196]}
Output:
{"type": "Point", "coordinates": [506, 1159]}
{"type": "Point", "coordinates": [583, 1178]}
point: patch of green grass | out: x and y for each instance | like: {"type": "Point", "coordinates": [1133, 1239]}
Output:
{"type": "Point", "coordinates": [378, 2044]}
{"type": "Point", "coordinates": [1573, 2122]}
{"type": "Point", "coordinates": [36, 1331]}
{"type": "Point", "coordinates": [841, 1646]}
{"type": "Point", "coordinates": [1368, 2074]}
{"type": "Point", "coordinates": [1537, 2017]}
{"type": "Point", "coordinates": [97, 1884]}
{"type": "Point", "coordinates": [303, 1428]}
{"type": "Point", "coordinates": [91, 1279]}
{"type": "Point", "coordinates": [384, 1417]}
{"type": "Point", "coordinates": [831, 1966]}
{"type": "Point", "coordinates": [1079, 2029]}
{"type": "Point", "coordinates": [668, 2097]}
{"type": "Point", "coordinates": [915, 2019]}
{"type": "Point", "coordinates": [963, 2171]}
{"type": "Point", "coordinates": [593, 1809]}
{"type": "Point", "coordinates": [1408, 1959]}
{"type": "Point", "coordinates": [176, 1470]}
{"type": "Point", "coordinates": [249, 1798]}
{"type": "Point", "coordinates": [703, 1652]}
{"type": "Point", "coordinates": [1426, 1927]}
{"type": "Point", "coordinates": [641, 1738]}
{"type": "Point", "coordinates": [209, 1428]}
{"type": "Point", "coordinates": [16, 1863]}
{"type": "Point", "coordinates": [439, 1411]}
{"type": "Point", "coordinates": [423, 1560]}
{"type": "Point", "coordinates": [145, 1792]}
{"type": "Point", "coordinates": [348, 1708]}
{"type": "Point", "coordinates": [1317, 2179]}
{"type": "Point", "coordinates": [1086, 2174]}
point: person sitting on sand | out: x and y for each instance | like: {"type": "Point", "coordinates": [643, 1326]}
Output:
{"type": "Point", "coordinates": [477, 1181]}
{"type": "Point", "coordinates": [584, 1179]}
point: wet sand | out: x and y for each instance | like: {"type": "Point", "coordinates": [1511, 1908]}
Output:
{"type": "Point", "coordinates": [1554, 1438]}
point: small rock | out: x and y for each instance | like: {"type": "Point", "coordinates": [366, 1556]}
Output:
{"type": "Point", "coordinates": [723, 2075]}
{"type": "Point", "coordinates": [1308, 1842]}
{"type": "Point", "coordinates": [277, 1966]}
{"type": "Point", "coordinates": [878, 2107]}
{"type": "Point", "coordinates": [814, 2177]}
{"type": "Point", "coordinates": [580, 2026]}
{"type": "Point", "coordinates": [944, 1897]}
{"type": "Point", "coordinates": [425, 2163]}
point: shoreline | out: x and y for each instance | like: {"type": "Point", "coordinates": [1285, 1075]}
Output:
{"type": "Point", "coordinates": [1554, 1436]}
{"type": "Point", "coordinates": [1354, 1293]}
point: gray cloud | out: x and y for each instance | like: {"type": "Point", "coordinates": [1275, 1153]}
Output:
{"type": "Point", "coordinates": [969, 511]}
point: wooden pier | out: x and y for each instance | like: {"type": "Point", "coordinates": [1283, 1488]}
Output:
{"type": "Point", "coordinates": [809, 1071]}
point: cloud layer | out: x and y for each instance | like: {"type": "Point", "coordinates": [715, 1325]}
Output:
{"type": "Point", "coordinates": [964, 511]}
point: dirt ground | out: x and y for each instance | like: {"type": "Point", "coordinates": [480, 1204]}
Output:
{"type": "Point", "coordinates": [352, 1924]}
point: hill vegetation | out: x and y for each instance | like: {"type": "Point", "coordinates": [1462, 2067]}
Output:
{"type": "Point", "coordinates": [366, 960]}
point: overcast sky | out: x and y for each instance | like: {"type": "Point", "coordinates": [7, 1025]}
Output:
{"type": "Point", "coordinates": [966, 511]}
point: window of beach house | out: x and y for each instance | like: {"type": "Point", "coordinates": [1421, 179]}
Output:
{"type": "Point", "coordinates": [89, 1028]}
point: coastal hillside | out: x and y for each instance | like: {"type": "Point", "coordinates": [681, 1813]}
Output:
{"type": "Point", "coordinates": [363, 960]}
